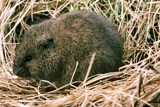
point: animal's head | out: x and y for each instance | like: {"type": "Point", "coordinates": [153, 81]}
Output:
{"type": "Point", "coordinates": [35, 56]}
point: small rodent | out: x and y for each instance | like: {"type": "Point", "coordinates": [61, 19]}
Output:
{"type": "Point", "coordinates": [49, 50]}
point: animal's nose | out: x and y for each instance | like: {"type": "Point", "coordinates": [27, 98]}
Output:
{"type": "Point", "coordinates": [16, 70]}
{"type": "Point", "coordinates": [20, 71]}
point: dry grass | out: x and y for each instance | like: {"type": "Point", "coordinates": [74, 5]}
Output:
{"type": "Point", "coordinates": [138, 83]}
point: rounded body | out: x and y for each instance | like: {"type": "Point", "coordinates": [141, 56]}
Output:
{"type": "Point", "coordinates": [49, 50]}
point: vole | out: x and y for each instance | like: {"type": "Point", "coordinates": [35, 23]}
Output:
{"type": "Point", "coordinates": [49, 50]}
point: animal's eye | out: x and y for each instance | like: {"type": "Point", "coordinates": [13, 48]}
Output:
{"type": "Point", "coordinates": [28, 58]}
{"type": "Point", "coordinates": [45, 46]}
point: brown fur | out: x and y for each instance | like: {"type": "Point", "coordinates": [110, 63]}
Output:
{"type": "Point", "coordinates": [49, 50]}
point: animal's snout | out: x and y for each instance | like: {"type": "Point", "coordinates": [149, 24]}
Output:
{"type": "Point", "coordinates": [20, 71]}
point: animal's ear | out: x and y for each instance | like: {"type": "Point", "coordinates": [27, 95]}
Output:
{"type": "Point", "coordinates": [46, 43]}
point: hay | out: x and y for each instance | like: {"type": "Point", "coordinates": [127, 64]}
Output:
{"type": "Point", "coordinates": [137, 83]}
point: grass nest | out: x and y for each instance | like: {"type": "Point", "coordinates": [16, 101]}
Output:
{"type": "Point", "coordinates": [136, 84]}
